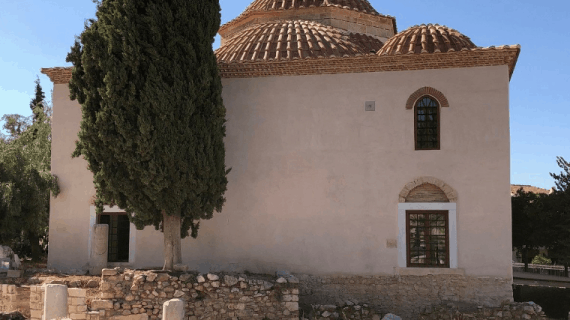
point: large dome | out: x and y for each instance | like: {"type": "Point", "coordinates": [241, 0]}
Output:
{"type": "Point", "coordinates": [294, 39]}
{"type": "Point", "coordinates": [355, 16]}
{"type": "Point", "coordinates": [265, 5]}
{"type": "Point", "coordinates": [431, 38]}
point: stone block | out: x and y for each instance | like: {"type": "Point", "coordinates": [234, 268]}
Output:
{"type": "Point", "coordinates": [5, 252]}
{"type": "Point", "coordinates": [292, 306]}
{"type": "Point", "coordinates": [98, 255]}
{"type": "Point", "coordinates": [212, 277]}
{"type": "Point", "coordinates": [109, 272]}
{"type": "Point", "coordinates": [107, 295]}
{"type": "Point", "coordinates": [55, 301]}
{"type": "Point", "coordinates": [101, 304]}
{"type": "Point", "coordinates": [180, 267]}
{"type": "Point", "coordinates": [184, 277]}
{"type": "Point", "coordinates": [76, 292]}
{"type": "Point", "coordinates": [173, 310]}
{"type": "Point", "coordinates": [230, 280]}
{"type": "Point", "coordinates": [151, 277]}
{"type": "Point", "coordinates": [14, 273]}
{"type": "Point", "coordinates": [163, 276]}
{"type": "Point", "coordinates": [78, 316]}
{"type": "Point", "coordinates": [36, 313]}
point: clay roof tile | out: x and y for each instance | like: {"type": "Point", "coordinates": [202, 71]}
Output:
{"type": "Point", "coordinates": [428, 38]}
{"type": "Point", "coordinates": [296, 39]}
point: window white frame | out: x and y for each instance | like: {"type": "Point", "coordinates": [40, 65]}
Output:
{"type": "Point", "coordinates": [132, 233]}
{"type": "Point", "coordinates": [451, 207]}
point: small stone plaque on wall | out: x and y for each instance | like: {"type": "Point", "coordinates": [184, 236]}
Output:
{"type": "Point", "coordinates": [391, 243]}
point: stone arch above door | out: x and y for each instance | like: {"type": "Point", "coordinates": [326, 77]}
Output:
{"type": "Point", "coordinates": [427, 189]}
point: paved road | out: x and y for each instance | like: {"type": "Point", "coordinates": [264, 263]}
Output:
{"type": "Point", "coordinates": [540, 279]}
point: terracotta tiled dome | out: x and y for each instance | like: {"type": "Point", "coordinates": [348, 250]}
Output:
{"type": "Point", "coordinates": [356, 16]}
{"type": "Point", "coordinates": [264, 5]}
{"type": "Point", "coordinates": [427, 39]}
{"type": "Point", "coordinates": [294, 39]}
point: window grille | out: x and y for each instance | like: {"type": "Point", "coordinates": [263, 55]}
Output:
{"type": "Point", "coordinates": [427, 239]}
{"type": "Point", "coordinates": [427, 124]}
{"type": "Point", "coordinates": [119, 234]}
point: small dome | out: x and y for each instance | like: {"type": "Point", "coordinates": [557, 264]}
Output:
{"type": "Point", "coordinates": [426, 39]}
{"type": "Point", "coordinates": [265, 5]}
{"type": "Point", "coordinates": [295, 39]}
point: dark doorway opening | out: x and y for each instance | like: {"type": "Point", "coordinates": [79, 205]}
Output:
{"type": "Point", "coordinates": [119, 234]}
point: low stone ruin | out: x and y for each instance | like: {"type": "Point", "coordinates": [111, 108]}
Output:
{"type": "Point", "coordinates": [9, 263]}
{"type": "Point", "coordinates": [509, 310]}
{"type": "Point", "coordinates": [141, 295]}
{"type": "Point", "coordinates": [349, 310]}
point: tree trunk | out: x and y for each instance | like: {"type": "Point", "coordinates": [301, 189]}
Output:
{"type": "Point", "coordinates": [35, 246]}
{"type": "Point", "coordinates": [525, 258]}
{"type": "Point", "coordinates": [172, 241]}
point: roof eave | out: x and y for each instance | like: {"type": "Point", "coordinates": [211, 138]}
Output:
{"type": "Point", "coordinates": [506, 55]}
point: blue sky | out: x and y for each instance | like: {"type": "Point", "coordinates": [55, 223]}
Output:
{"type": "Point", "coordinates": [39, 33]}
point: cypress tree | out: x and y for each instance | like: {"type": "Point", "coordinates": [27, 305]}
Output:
{"type": "Point", "coordinates": [38, 100]}
{"type": "Point", "coordinates": [153, 118]}
{"type": "Point", "coordinates": [559, 231]}
{"type": "Point", "coordinates": [562, 180]}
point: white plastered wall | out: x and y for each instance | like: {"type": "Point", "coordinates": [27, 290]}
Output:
{"type": "Point", "coordinates": [315, 179]}
{"type": "Point", "coordinates": [69, 212]}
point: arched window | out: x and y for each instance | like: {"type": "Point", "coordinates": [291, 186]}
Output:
{"type": "Point", "coordinates": [427, 225]}
{"type": "Point", "coordinates": [426, 120]}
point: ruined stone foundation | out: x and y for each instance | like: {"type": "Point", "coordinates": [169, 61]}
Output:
{"type": "Point", "coordinates": [407, 295]}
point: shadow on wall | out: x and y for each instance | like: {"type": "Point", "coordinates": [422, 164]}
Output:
{"type": "Point", "coordinates": [555, 302]}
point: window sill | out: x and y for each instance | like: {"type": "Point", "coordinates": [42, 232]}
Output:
{"type": "Point", "coordinates": [427, 271]}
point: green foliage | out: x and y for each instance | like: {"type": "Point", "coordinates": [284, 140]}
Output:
{"type": "Point", "coordinates": [558, 213]}
{"type": "Point", "coordinates": [544, 220]}
{"type": "Point", "coordinates": [540, 259]}
{"type": "Point", "coordinates": [14, 124]}
{"type": "Point", "coordinates": [562, 180]}
{"type": "Point", "coordinates": [528, 223]}
{"type": "Point", "coordinates": [153, 119]}
{"type": "Point", "coordinates": [38, 100]}
{"type": "Point", "coordinates": [25, 186]}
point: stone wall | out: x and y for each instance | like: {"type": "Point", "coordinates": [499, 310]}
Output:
{"type": "Point", "coordinates": [135, 295]}
{"type": "Point", "coordinates": [14, 298]}
{"type": "Point", "coordinates": [139, 295]}
{"type": "Point", "coordinates": [406, 296]}
{"type": "Point", "coordinates": [206, 296]}
{"type": "Point", "coordinates": [525, 310]}
{"type": "Point", "coordinates": [36, 302]}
